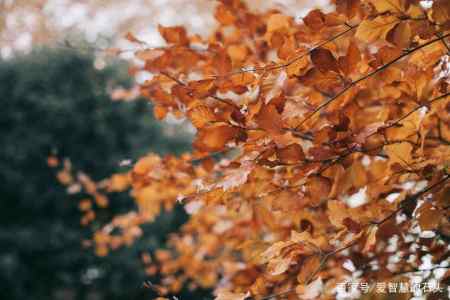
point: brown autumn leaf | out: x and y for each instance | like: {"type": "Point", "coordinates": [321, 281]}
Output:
{"type": "Point", "coordinates": [160, 96]}
{"type": "Point", "coordinates": [149, 54]}
{"type": "Point", "coordinates": [315, 19]}
{"type": "Point", "coordinates": [160, 112]}
{"type": "Point", "coordinates": [245, 79]}
{"type": "Point", "coordinates": [387, 54]}
{"type": "Point", "coordinates": [393, 6]}
{"type": "Point", "coordinates": [224, 15]}
{"type": "Point", "coordinates": [119, 182]}
{"type": "Point", "coordinates": [269, 119]}
{"type": "Point", "coordinates": [213, 138]}
{"type": "Point", "coordinates": [348, 63]}
{"type": "Point", "coordinates": [371, 239]}
{"type": "Point", "coordinates": [399, 153]}
{"type": "Point", "coordinates": [325, 135]}
{"type": "Point", "coordinates": [201, 116]}
{"type": "Point", "coordinates": [237, 53]}
{"type": "Point", "coordinates": [298, 66]}
{"type": "Point", "coordinates": [371, 30]}
{"type": "Point", "coordinates": [318, 187]}
{"type": "Point", "coordinates": [429, 216]}
{"type": "Point", "coordinates": [202, 88]}
{"type": "Point", "coordinates": [324, 60]}
{"type": "Point", "coordinates": [291, 154]}
{"type": "Point", "coordinates": [441, 11]}
{"type": "Point", "coordinates": [321, 153]}
{"type": "Point", "coordinates": [337, 212]}
{"type": "Point", "coordinates": [327, 83]}
{"type": "Point", "coordinates": [308, 267]}
{"type": "Point", "coordinates": [222, 62]}
{"type": "Point", "coordinates": [349, 8]}
{"type": "Point", "coordinates": [401, 35]}
{"type": "Point", "coordinates": [174, 35]}
{"type": "Point", "coordinates": [278, 22]}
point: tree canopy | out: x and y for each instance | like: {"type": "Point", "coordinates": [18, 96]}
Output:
{"type": "Point", "coordinates": [321, 155]}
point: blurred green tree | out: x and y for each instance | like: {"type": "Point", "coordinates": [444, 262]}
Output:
{"type": "Point", "coordinates": [56, 100]}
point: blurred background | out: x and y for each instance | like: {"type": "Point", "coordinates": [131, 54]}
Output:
{"type": "Point", "coordinates": [56, 90]}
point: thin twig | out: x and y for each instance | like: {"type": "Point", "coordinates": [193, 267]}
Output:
{"type": "Point", "coordinates": [376, 71]}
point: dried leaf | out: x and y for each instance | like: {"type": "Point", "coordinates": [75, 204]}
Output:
{"type": "Point", "coordinates": [291, 154]}
{"type": "Point", "coordinates": [214, 138]}
{"type": "Point", "coordinates": [429, 216]}
{"type": "Point", "coordinates": [324, 60]}
{"type": "Point", "coordinates": [394, 6]}
{"type": "Point", "coordinates": [371, 239]}
{"type": "Point", "coordinates": [378, 28]}
{"type": "Point", "coordinates": [201, 116]}
{"type": "Point", "coordinates": [174, 35]}
{"type": "Point", "coordinates": [269, 119]}
{"type": "Point", "coordinates": [315, 20]}
{"type": "Point", "coordinates": [224, 15]}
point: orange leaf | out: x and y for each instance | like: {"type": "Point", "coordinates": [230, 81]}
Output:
{"type": "Point", "coordinates": [429, 216]}
{"type": "Point", "coordinates": [401, 35]}
{"type": "Point", "coordinates": [237, 53]}
{"type": "Point", "coordinates": [224, 15]}
{"type": "Point", "coordinates": [309, 266]}
{"type": "Point", "coordinates": [148, 54]}
{"type": "Point", "coordinates": [291, 154]}
{"type": "Point", "coordinates": [203, 88]}
{"type": "Point", "coordinates": [214, 138]}
{"type": "Point", "coordinates": [278, 22]}
{"type": "Point", "coordinates": [174, 35]}
{"type": "Point", "coordinates": [298, 66]}
{"type": "Point", "coordinates": [324, 60]}
{"type": "Point", "coordinates": [315, 19]}
{"type": "Point", "coordinates": [269, 119]}
{"type": "Point", "coordinates": [399, 153]}
{"type": "Point", "coordinates": [394, 6]}
{"type": "Point", "coordinates": [371, 239]}
{"type": "Point", "coordinates": [159, 112]}
{"type": "Point", "coordinates": [349, 62]}
{"type": "Point", "coordinates": [371, 30]}
{"type": "Point", "coordinates": [441, 11]}
{"type": "Point", "coordinates": [222, 62]}
{"type": "Point", "coordinates": [201, 116]}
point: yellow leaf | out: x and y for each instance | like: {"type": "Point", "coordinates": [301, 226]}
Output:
{"type": "Point", "coordinates": [278, 22]}
{"type": "Point", "coordinates": [378, 28]}
{"type": "Point", "coordinates": [371, 239]}
{"type": "Point", "coordinates": [399, 153]}
{"type": "Point", "coordinates": [201, 115]}
{"type": "Point", "coordinates": [383, 6]}
{"type": "Point", "coordinates": [237, 52]}
{"type": "Point", "coordinates": [298, 66]}
{"type": "Point", "coordinates": [214, 138]}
